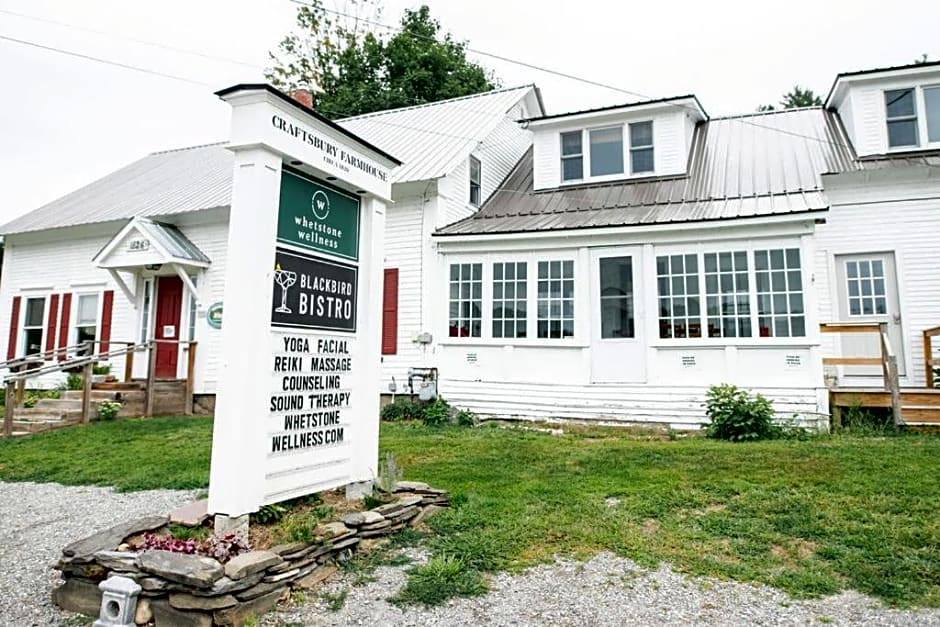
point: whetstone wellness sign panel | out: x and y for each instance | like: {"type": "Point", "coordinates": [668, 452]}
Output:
{"type": "Point", "coordinates": [317, 217]}
{"type": "Point", "coordinates": [313, 323]}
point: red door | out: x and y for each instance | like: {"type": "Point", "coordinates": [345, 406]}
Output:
{"type": "Point", "coordinates": [167, 327]}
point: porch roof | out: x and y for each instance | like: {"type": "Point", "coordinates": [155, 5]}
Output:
{"type": "Point", "coordinates": [165, 244]}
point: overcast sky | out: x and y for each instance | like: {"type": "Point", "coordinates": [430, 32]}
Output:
{"type": "Point", "coordinates": [66, 121]}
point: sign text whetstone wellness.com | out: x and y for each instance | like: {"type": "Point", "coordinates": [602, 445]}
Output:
{"type": "Point", "coordinates": [316, 216]}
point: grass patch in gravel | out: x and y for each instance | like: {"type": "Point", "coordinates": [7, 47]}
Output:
{"type": "Point", "coordinates": [442, 578]}
{"type": "Point", "coordinates": [136, 454]}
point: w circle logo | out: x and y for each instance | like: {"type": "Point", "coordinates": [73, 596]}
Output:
{"type": "Point", "coordinates": [320, 203]}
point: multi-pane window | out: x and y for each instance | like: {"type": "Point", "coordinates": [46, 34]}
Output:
{"type": "Point", "coordinates": [932, 113]}
{"type": "Point", "coordinates": [476, 178]}
{"type": "Point", "coordinates": [86, 319]}
{"type": "Point", "coordinates": [865, 281]}
{"type": "Point", "coordinates": [901, 113]}
{"type": "Point", "coordinates": [727, 302]}
{"type": "Point", "coordinates": [606, 151]}
{"type": "Point", "coordinates": [734, 301]}
{"type": "Point", "coordinates": [616, 294]}
{"type": "Point", "coordinates": [32, 325]}
{"type": "Point", "coordinates": [509, 299]}
{"type": "Point", "coordinates": [679, 297]}
{"type": "Point", "coordinates": [572, 157]}
{"type": "Point", "coordinates": [145, 307]}
{"type": "Point", "coordinates": [555, 299]}
{"type": "Point", "coordinates": [641, 147]}
{"type": "Point", "coordinates": [466, 300]}
{"type": "Point", "coordinates": [780, 311]}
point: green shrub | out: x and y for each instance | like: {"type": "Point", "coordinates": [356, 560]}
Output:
{"type": "Point", "coordinates": [737, 416]}
{"type": "Point", "coordinates": [401, 409]}
{"type": "Point", "coordinates": [436, 413]}
{"type": "Point", "coordinates": [101, 369]}
{"type": "Point", "coordinates": [108, 410]}
{"type": "Point", "coordinates": [466, 418]}
{"type": "Point", "coordinates": [442, 578]}
{"type": "Point", "coordinates": [936, 377]}
{"type": "Point", "coordinates": [271, 513]}
{"type": "Point", "coordinates": [75, 382]}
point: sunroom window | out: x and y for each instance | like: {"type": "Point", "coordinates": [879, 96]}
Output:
{"type": "Point", "coordinates": [509, 299]}
{"type": "Point", "coordinates": [466, 300]}
{"type": "Point", "coordinates": [901, 112]}
{"type": "Point", "coordinates": [555, 299]}
{"type": "Point", "coordinates": [734, 303]}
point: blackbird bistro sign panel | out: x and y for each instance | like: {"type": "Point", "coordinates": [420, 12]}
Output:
{"type": "Point", "coordinates": [313, 293]}
{"type": "Point", "coordinates": [317, 217]}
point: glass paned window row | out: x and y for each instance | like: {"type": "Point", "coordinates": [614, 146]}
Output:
{"type": "Point", "coordinates": [509, 299]}
{"type": "Point", "coordinates": [555, 299]}
{"type": "Point", "coordinates": [466, 300]}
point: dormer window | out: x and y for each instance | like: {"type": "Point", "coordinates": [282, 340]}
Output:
{"type": "Point", "coordinates": [901, 117]}
{"type": "Point", "coordinates": [932, 113]}
{"type": "Point", "coordinates": [572, 157]}
{"type": "Point", "coordinates": [641, 147]}
{"type": "Point", "coordinates": [606, 151]}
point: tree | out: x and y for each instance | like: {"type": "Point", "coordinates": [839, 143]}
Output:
{"type": "Point", "coordinates": [796, 97]}
{"type": "Point", "coordinates": [356, 70]}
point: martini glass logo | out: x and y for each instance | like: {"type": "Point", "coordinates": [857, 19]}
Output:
{"type": "Point", "coordinates": [320, 203]}
{"type": "Point", "coordinates": [284, 278]}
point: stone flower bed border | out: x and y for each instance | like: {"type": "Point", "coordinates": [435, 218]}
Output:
{"type": "Point", "coordinates": [182, 590]}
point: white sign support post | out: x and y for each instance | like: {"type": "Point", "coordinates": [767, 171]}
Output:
{"type": "Point", "coordinates": [297, 403]}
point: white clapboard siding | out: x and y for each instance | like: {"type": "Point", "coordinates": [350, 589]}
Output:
{"type": "Point", "coordinates": [901, 227]}
{"type": "Point", "coordinates": [405, 225]}
{"type": "Point", "coordinates": [676, 406]}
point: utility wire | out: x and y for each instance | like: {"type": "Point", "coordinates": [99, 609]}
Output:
{"type": "Point", "coordinates": [145, 42]}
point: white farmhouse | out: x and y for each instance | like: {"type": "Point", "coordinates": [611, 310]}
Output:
{"type": "Point", "coordinates": [641, 253]}
{"type": "Point", "coordinates": [141, 253]}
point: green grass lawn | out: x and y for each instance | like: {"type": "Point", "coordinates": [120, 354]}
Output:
{"type": "Point", "coordinates": [810, 517]}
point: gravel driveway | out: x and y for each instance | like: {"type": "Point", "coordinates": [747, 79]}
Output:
{"type": "Point", "coordinates": [39, 519]}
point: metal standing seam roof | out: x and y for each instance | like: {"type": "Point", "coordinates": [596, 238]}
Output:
{"type": "Point", "coordinates": [743, 166]}
{"type": "Point", "coordinates": [172, 240]}
{"type": "Point", "coordinates": [430, 139]}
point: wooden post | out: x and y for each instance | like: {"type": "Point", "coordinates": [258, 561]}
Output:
{"type": "Point", "coordinates": [190, 378]}
{"type": "Point", "coordinates": [928, 358]}
{"type": "Point", "coordinates": [129, 362]}
{"type": "Point", "coordinates": [87, 372]}
{"type": "Point", "coordinates": [151, 377]}
{"type": "Point", "coordinates": [20, 391]}
{"type": "Point", "coordinates": [891, 376]}
{"type": "Point", "coordinates": [8, 410]}
{"type": "Point", "coordinates": [836, 418]}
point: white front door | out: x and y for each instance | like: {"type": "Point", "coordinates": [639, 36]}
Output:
{"type": "Point", "coordinates": [618, 351]}
{"type": "Point", "coordinates": [868, 292]}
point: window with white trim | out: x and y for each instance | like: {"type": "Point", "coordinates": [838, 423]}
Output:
{"type": "Point", "coordinates": [572, 157]}
{"type": "Point", "coordinates": [466, 300]}
{"type": "Point", "coordinates": [901, 116]}
{"type": "Point", "coordinates": [679, 298]}
{"type": "Point", "coordinates": [932, 113]}
{"type": "Point", "coordinates": [476, 181]}
{"type": "Point", "coordinates": [737, 299]}
{"type": "Point", "coordinates": [146, 305]}
{"type": "Point", "coordinates": [33, 323]}
{"type": "Point", "coordinates": [727, 302]}
{"type": "Point", "coordinates": [509, 299]}
{"type": "Point", "coordinates": [780, 310]}
{"type": "Point", "coordinates": [86, 318]}
{"type": "Point", "coordinates": [606, 151]}
{"type": "Point", "coordinates": [865, 281]}
{"type": "Point", "coordinates": [641, 147]}
{"type": "Point", "coordinates": [555, 301]}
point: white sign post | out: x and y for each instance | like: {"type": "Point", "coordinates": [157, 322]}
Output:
{"type": "Point", "coordinates": [297, 403]}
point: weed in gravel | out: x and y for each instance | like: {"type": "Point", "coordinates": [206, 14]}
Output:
{"type": "Point", "coordinates": [443, 577]}
{"type": "Point", "coordinates": [335, 600]}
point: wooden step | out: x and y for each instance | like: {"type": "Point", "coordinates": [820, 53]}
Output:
{"type": "Point", "coordinates": [64, 404]}
{"type": "Point", "coordinates": [120, 386]}
{"type": "Point", "coordinates": [921, 415]}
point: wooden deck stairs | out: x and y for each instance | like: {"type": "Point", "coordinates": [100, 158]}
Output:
{"type": "Point", "coordinates": [910, 406]}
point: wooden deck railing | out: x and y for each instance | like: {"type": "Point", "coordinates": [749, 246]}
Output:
{"type": "Point", "coordinates": [31, 366]}
{"type": "Point", "coordinates": [888, 360]}
{"type": "Point", "coordinates": [929, 362]}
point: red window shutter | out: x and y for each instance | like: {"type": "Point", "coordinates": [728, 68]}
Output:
{"type": "Point", "coordinates": [52, 321]}
{"type": "Point", "coordinates": [105, 334]}
{"type": "Point", "coordinates": [64, 324]}
{"type": "Point", "coordinates": [14, 328]}
{"type": "Point", "coordinates": [390, 312]}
